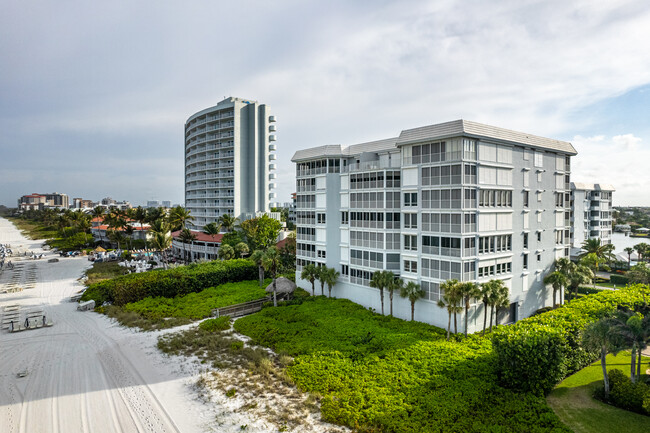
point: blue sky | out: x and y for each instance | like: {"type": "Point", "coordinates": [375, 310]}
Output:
{"type": "Point", "coordinates": [93, 97]}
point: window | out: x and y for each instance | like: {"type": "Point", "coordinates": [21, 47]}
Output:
{"type": "Point", "coordinates": [345, 218]}
{"type": "Point", "coordinates": [320, 218]}
{"type": "Point", "coordinates": [526, 196]}
{"type": "Point", "coordinates": [539, 159]}
{"type": "Point", "coordinates": [411, 199]}
{"type": "Point", "coordinates": [410, 266]}
{"type": "Point", "coordinates": [525, 261]}
{"type": "Point", "coordinates": [411, 242]}
{"type": "Point", "coordinates": [539, 257]}
{"type": "Point", "coordinates": [345, 270]}
{"type": "Point", "coordinates": [525, 241]}
{"type": "Point", "coordinates": [539, 236]}
{"type": "Point", "coordinates": [410, 220]}
{"type": "Point", "coordinates": [321, 254]}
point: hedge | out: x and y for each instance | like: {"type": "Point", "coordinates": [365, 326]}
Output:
{"type": "Point", "coordinates": [534, 354]}
{"type": "Point", "coordinates": [619, 279]}
{"type": "Point", "coordinates": [171, 282]}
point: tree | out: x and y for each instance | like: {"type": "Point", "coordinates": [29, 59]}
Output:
{"type": "Point", "coordinates": [489, 291]}
{"type": "Point", "coordinates": [394, 285]}
{"type": "Point", "coordinates": [212, 229]}
{"type": "Point", "coordinates": [140, 215]}
{"type": "Point", "coordinates": [232, 239]}
{"type": "Point", "coordinates": [227, 221]}
{"type": "Point", "coordinates": [262, 232]}
{"type": "Point", "coordinates": [241, 249]}
{"type": "Point", "coordinates": [162, 241]}
{"type": "Point", "coordinates": [598, 336]}
{"type": "Point", "coordinates": [271, 263]}
{"type": "Point", "coordinates": [117, 237]}
{"type": "Point", "coordinates": [639, 274]}
{"type": "Point", "coordinates": [412, 291]}
{"type": "Point", "coordinates": [578, 275]}
{"type": "Point", "coordinates": [629, 251]}
{"type": "Point", "coordinates": [330, 276]}
{"type": "Point", "coordinates": [288, 253]}
{"type": "Point", "coordinates": [557, 280]}
{"type": "Point", "coordinates": [179, 216]}
{"type": "Point", "coordinates": [601, 253]}
{"type": "Point", "coordinates": [468, 291]}
{"type": "Point", "coordinates": [633, 329]}
{"type": "Point", "coordinates": [380, 280]}
{"type": "Point", "coordinates": [226, 252]}
{"type": "Point", "coordinates": [641, 250]}
{"type": "Point", "coordinates": [186, 237]}
{"type": "Point", "coordinates": [321, 279]}
{"type": "Point", "coordinates": [450, 299]}
{"type": "Point", "coordinates": [256, 258]}
{"type": "Point", "coordinates": [501, 301]}
{"type": "Point", "coordinates": [310, 273]}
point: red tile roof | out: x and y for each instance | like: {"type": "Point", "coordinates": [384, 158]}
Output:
{"type": "Point", "coordinates": [200, 236]}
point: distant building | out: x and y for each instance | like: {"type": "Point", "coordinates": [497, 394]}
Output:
{"type": "Point", "coordinates": [229, 161]}
{"type": "Point", "coordinates": [166, 204]}
{"type": "Point", "coordinates": [37, 201]}
{"type": "Point", "coordinates": [153, 203]}
{"type": "Point", "coordinates": [591, 208]}
{"type": "Point", "coordinates": [79, 203]}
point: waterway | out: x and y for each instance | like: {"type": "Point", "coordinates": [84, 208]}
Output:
{"type": "Point", "coordinates": [621, 241]}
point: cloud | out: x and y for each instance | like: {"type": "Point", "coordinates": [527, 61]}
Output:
{"type": "Point", "coordinates": [620, 160]}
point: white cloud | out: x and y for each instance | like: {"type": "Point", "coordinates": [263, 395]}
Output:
{"type": "Point", "coordinates": [620, 161]}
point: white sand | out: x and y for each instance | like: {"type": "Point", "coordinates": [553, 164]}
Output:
{"type": "Point", "coordinates": [88, 374]}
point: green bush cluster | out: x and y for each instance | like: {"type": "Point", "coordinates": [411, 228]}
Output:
{"type": "Point", "coordinates": [380, 374]}
{"type": "Point", "coordinates": [619, 279]}
{"type": "Point", "coordinates": [534, 354]}
{"type": "Point", "coordinates": [627, 395]}
{"type": "Point", "coordinates": [170, 283]}
{"type": "Point", "coordinates": [216, 325]}
{"type": "Point", "coordinates": [75, 242]}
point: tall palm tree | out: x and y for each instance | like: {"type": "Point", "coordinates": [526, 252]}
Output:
{"type": "Point", "coordinates": [578, 275]}
{"type": "Point", "coordinates": [256, 258]}
{"type": "Point", "coordinates": [391, 286]}
{"type": "Point", "coordinates": [128, 232]}
{"type": "Point", "coordinates": [450, 299]}
{"type": "Point", "coordinates": [321, 278]}
{"type": "Point", "coordinates": [634, 331]}
{"type": "Point", "coordinates": [330, 276]}
{"type": "Point", "coordinates": [162, 241]}
{"type": "Point", "coordinates": [310, 272]}
{"type": "Point", "coordinates": [500, 302]}
{"type": "Point", "coordinates": [557, 280]}
{"type": "Point", "coordinates": [629, 251]}
{"type": "Point", "coordinates": [468, 291]}
{"type": "Point", "coordinates": [641, 249]}
{"type": "Point", "coordinates": [226, 252]}
{"type": "Point", "coordinates": [488, 295]}
{"type": "Point", "coordinates": [380, 280]}
{"type": "Point", "coordinates": [227, 221]}
{"type": "Point", "coordinates": [212, 229]}
{"type": "Point", "coordinates": [186, 237]}
{"type": "Point", "coordinates": [599, 336]}
{"type": "Point", "coordinates": [271, 262]}
{"type": "Point", "coordinates": [601, 253]}
{"type": "Point", "coordinates": [179, 216]}
{"type": "Point", "coordinates": [155, 213]}
{"type": "Point", "coordinates": [139, 214]}
{"type": "Point", "coordinates": [412, 291]}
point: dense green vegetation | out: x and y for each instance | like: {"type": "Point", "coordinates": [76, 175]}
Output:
{"type": "Point", "coordinates": [536, 353]}
{"type": "Point", "coordinates": [573, 402]}
{"type": "Point", "coordinates": [378, 373]}
{"type": "Point", "coordinates": [102, 271]}
{"type": "Point", "coordinates": [33, 229]}
{"type": "Point", "coordinates": [170, 283]}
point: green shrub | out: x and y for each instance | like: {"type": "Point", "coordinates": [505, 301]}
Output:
{"type": "Point", "coordinates": [534, 354]}
{"type": "Point", "coordinates": [627, 395]}
{"type": "Point", "coordinates": [170, 283]}
{"type": "Point", "coordinates": [619, 279]}
{"type": "Point", "coordinates": [216, 325]}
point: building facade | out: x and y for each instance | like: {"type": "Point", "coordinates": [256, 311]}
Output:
{"type": "Point", "coordinates": [37, 201]}
{"type": "Point", "coordinates": [591, 210]}
{"type": "Point", "coordinates": [229, 161]}
{"type": "Point", "coordinates": [457, 200]}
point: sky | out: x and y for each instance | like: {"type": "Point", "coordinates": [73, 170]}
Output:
{"type": "Point", "coordinates": [94, 95]}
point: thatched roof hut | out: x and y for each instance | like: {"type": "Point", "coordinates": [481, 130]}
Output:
{"type": "Point", "coordinates": [283, 285]}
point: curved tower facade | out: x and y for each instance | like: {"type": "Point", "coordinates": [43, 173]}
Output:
{"type": "Point", "coordinates": [229, 161]}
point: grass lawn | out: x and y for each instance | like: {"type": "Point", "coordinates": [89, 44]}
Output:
{"type": "Point", "coordinates": [33, 230]}
{"type": "Point", "coordinates": [572, 401]}
{"type": "Point", "coordinates": [104, 271]}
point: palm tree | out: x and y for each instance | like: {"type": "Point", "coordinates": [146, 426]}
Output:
{"type": "Point", "coordinates": [598, 336]}
{"type": "Point", "coordinates": [321, 279]}
{"type": "Point", "coordinates": [186, 237]}
{"type": "Point", "coordinates": [391, 286]}
{"type": "Point", "coordinates": [227, 221]}
{"type": "Point", "coordinates": [310, 273]}
{"type": "Point", "coordinates": [380, 280]}
{"type": "Point", "coordinates": [241, 249]}
{"type": "Point", "coordinates": [629, 251]}
{"type": "Point", "coordinates": [179, 216]}
{"type": "Point", "coordinates": [468, 291]}
{"type": "Point", "coordinates": [330, 276]}
{"type": "Point", "coordinates": [601, 253]}
{"type": "Point", "coordinates": [128, 232]}
{"type": "Point", "coordinates": [412, 291]}
{"type": "Point", "coordinates": [641, 250]}
{"type": "Point", "coordinates": [501, 301]}
{"type": "Point", "coordinates": [154, 214]}
{"type": "Point", "coordinates": [558, 280]}
{"type": "Point", "coordinates": [488, 292]}
{"type": "Point", "coordinates": [139, 214]}
{"type": "Point", "coordinates": [162, 241]}
{"type": "Point", "coordinates": [256, 258]}
{"type": "Point", "coordinates": [226, 252]}
{"type": "Point", "coordinates": [450, 299]}
{"type": "Point", "coordinates": [212, 229]}
{"type": "Point", "coordinates": [634, 331]}
{"type": "Point", "coordinates": [117, 237]}
{"type": "Point", "coordinates": [579, 274]}
{"type": "Point", "coordinates": [271, 263]}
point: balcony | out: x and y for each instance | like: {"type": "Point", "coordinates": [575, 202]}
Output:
{"type": "Point", "coordinates": [272, 166]}
{"type": "Point", "coordinates": [272, 147]}
{"type": "Point", "coordinates": [271, 119]}
{"type": "Point", "coordinates": [272, 176]}
{"type": "Point", "coordinates": [273, 157]}
{"type": "Point", "coordinates": [272, 128]}
{"type": "Point", "coordinates": [272, 138]}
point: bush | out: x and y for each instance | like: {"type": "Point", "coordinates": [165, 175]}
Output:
{"type": "Point", "coordinates": [534, 354]}
{"type": "Point", "coordinates": [619, 279]}
{"type": "Point", "coordinates": [627, 395]}
{"type": "Point", "coordinates": [216, 325]}
{"type": "Point", "coordinates": [170, 283]}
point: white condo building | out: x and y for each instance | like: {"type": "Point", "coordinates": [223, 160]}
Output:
{"type": "Point", "coordinates": [229, 161]}
{"type": "Point", "coordinates": [591, 208]}
{"type": "Point", "coordinates": [456, 200]}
